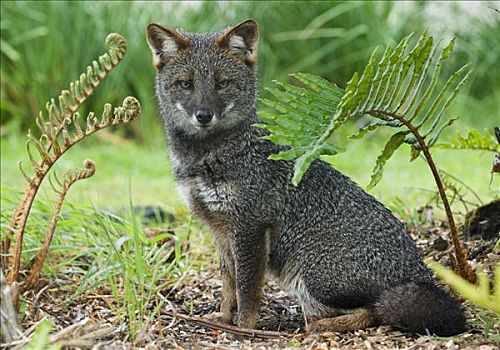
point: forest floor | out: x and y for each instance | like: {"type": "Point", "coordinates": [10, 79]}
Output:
{"type": "Point", "coordinates": [90, 321]}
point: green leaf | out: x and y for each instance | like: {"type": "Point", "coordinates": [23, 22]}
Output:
{"type": "Point", "coordinates": [40, 339]}
{"type": "Point", "coordinates": [474, 140]}
{"type": "Point", "coordinates": [365, 82]}
{"type": "Point", "coordinates": [306, 160]}
{"type": "Point", "coordinates": [395, 89]}
{"type": "Point", "coordinates": [393, 144]}
{"type": "Point", "coordinates": [414, 153]}
{"type": "Point", "coordinates": [480, 293]}
{"type": "Point", "coordinates": [434, 78]}
{"type": "Point", "coordinates": [442, 95]}
{"type": "Point", "coordinates": [395, 71]}
{"type": "Point", "coordinates": [435, 136]}
{"type": "Point", "coordinates": [421, 59]}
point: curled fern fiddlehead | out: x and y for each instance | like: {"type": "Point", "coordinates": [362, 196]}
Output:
{"type": "Point", "coordinates": [59, 131]}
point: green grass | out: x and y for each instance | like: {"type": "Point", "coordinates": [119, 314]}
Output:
{"type": "Point", "coordinates": [143, 174]}
{"type": "Point", "coordinates": [413, 182]}
{"type": "Point", "coordinates": [109, 251]}
{"type": "Point", "coordinates": [121, 170]}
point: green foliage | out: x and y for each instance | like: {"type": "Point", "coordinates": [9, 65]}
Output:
{"type": "Point", "coordinates": [303, 112]}
{"type": "Point", "coordinates": [473, 140]}
{"type": "Point", "coordinates": [480, 294]}
{"type": "Point", "coordinates": [134, 266]}
{"type": "Point", "coordinates": [111, 250]}
{"type": "Point", "coordinates": [40, 339]}
{"type": "Point", "coordinates": [399, 89]}
{"type": "Point", "coordinates": [327, 38]}
{"type": "Point", "coordinates": [57, 30]}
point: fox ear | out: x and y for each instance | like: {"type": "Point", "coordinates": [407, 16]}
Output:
{"type": "Point", "coordinates": [164, 43]}
{"type": "Point", "coordinates": [241, 40]}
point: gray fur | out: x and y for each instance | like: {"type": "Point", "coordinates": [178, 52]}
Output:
{"type": "Point", "coordinates": [328, 242]}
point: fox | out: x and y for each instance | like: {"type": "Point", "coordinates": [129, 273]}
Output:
{"type": "Point", "coordinates": [347, 260]}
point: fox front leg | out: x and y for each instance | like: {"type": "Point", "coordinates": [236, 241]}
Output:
{"type": "Point", "coordinates": [228, 304]}
{"type": "Point", "coordinates": [250, 254]}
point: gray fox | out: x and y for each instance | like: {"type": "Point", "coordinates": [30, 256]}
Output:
{"type": "Point", "coordinates": [340, 252]}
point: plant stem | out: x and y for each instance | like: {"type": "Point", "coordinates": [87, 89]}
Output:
{"type": "Point", "coordinates": [32, 279]}
{"type": "Point", "coordinates": [462, 264]}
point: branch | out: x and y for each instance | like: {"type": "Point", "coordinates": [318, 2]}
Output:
{"type": "Point", "coordinates": [245, 332]}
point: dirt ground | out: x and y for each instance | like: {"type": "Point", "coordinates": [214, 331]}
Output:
{"type": "Point", "coordinates": [89, 322]}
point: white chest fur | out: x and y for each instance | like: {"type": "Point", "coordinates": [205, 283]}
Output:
{"type": "Point", "coordinates": [213, 196]}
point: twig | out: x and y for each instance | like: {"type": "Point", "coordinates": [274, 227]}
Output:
{"type": "Point", "coordinates": [206, 345]}
{"type": "Point", "coordinates": [245, 332]}
{"type": "Point", "coordinates": [50, 313]}
{"type": "Point", "coordinates": [80, 334]}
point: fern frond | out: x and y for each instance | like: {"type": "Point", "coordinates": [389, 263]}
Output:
{"type": "Point", "coordinates": [474, 140]}
{"type": "Point", "coordinates": [129, 111]}
{"type": "Point", "coordinates": [399, 88]}
{"type": "Point", "coordinates": [60, 130]}
{"type": "Point", "coordinates": [479, 293]}
{"type": "Point", "coordinates": [59, 114]}
{"type": "Point", "coordinates": [304, 113]}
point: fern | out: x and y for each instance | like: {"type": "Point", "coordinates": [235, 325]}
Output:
{"type": "Point", "coordinates": [399, 89]}
{"type": "Point", "coordinates": [59, 131]}
{"type": "Point", "coordinates": [303, 113]}
{"type": "Point", "coordinates": [474, 140]}
{"type": "Point", "coordinates": [485, 293]}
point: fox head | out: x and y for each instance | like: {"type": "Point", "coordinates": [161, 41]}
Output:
{"type": "Point", "coordinates": [205, 83]}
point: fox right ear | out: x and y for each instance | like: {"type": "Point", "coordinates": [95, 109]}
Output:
{"type": "Point", "coordinates": [241, 40]}
{"type": "Point", "coordinates": [164, 43]}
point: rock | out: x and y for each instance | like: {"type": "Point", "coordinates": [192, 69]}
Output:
{"type": "Point", "coordinates": [483, 221]}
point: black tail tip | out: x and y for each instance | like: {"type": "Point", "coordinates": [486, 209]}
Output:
{"type": "Point", "coordinates": [421, 308]}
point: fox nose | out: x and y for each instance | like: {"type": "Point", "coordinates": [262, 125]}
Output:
{"type": "Point", "coordinates": [204, 115]}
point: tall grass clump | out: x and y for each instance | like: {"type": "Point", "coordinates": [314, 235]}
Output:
{"type": "Point", "coordinates": [107, 252]}
{"type": "Point", "coordinates": [326, 38]}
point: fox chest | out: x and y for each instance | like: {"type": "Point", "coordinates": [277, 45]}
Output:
{"type": "Point", "coordinates": [207, 198]}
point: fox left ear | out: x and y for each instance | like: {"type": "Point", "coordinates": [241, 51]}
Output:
{"type": "Point", "coordinates": [165, 43]}
{"type": "Point", "coordinates": [241, 40]}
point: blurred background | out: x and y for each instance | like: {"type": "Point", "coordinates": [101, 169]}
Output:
{"type": "Point", "coordinates": [45, 45]}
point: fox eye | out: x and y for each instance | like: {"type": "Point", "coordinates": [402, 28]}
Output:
{"type": "Point", "coordinates": [185, 85]}
{"type": "Point", "coordinates": [222, 84]}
